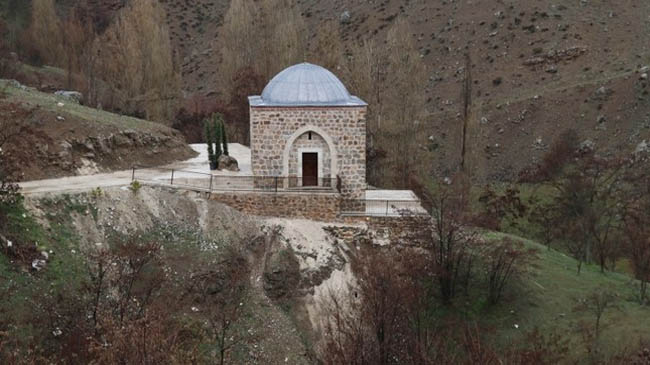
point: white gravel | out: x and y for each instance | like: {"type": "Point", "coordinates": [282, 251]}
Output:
{"type": "Point", "coordinates": [190, 170]}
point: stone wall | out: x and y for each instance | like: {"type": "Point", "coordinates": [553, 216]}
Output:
{"type": "Point", "coordinates": [315, 206]}
{"type": "Point", "coordinates": [406, 230]}
{"type": "Point", "coordinates": [272, 128]}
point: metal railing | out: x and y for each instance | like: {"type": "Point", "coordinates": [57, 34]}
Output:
{"type": "Point", "coordinates": [381, 208]}
{"type": "Point", "coordinates": [207, 182]}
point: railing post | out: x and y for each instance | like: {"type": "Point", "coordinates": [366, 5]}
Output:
{"type": "Point", "coordinates": [172, 179]}
{"type": "Point", "coordinates": [387, 208]}
{"type": "Point", "coordinates": [276, 184]}
{"type": "Point", "coordinates": [210, 182]}
{"type": "Point", "coordinates": [133, 174]}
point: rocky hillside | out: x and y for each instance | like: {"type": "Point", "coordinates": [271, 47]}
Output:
{"type": "Point", "coordinates": [539, 67]}
{"type": "Point", "coordinates": [293, 263]}
{"type": "Point", "coordinates": [52, 136]}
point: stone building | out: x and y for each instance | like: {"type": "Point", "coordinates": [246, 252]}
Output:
{"type": "Point", "coordinates": [307, 129]}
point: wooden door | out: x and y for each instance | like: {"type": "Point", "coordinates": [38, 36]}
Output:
{"type": "Point", "coordinates": [310, 169]}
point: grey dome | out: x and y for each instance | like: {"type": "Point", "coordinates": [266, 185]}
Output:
{"type": "Point", "coordinates": [305, 84]}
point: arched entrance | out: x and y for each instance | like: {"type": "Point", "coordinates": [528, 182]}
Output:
{"type": "Point", "coordinates": [310, 159]}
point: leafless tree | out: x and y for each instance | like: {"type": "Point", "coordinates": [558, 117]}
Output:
{"type": "Point", "coordinates": [327, 49]}
{"type": "Point", "coordinates": [138, 62]}
{"type": "Point", "coordinates": [467, 106]}
{"type": "Point", "coordinates": [392, 78]}
{"type": "Point", "coordinates": [265, 36]}
{"type": "Point", "coordinates": [45, 33]}
{"type": "Point", "coordinates": [504, 260]}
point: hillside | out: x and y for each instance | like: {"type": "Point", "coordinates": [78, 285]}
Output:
{"type": "Point", "coordinates": [539, 68]}
{"type": "Point", "coordinates": [52, 136]}
{"type": "Point", "coordinates": [292, 264]}
{"type": "Point", "coordinates": [549, 297]}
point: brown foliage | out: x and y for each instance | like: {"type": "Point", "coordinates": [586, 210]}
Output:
{"type": "Point", "coordinates": [452, 243]}
{"type": "Point", "coordinates": [391, 78]}
{"type": "Point", "coordinates": [561, 152]}
{"type": "Point", "coordinates": [496, 207]}
{"type": "Point", "coordinates": [636, 230]}
{"type": "Point", "coordinates": [137, 61]}
{"type": "Point", "coordinates": [381, 320]}
{"type": "Point", "coordinates": [43, 40]}
{"type": "Point", "coordinates": [504, 261]}
{"type": "Point", "coordinates": [265, 36]}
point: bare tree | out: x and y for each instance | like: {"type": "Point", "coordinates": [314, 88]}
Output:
{"type": "Point", "coordinates": [392, 78]}
{"type": "Point", "coordinates": [45, 32]}
{"type": "Point", "coordinates": [450, 239]}
{"type": "Point", "coordinates": [597, 303]}
{"type": "Point", "coordinates": [504, 261]}
{"type": "Point", "coordinates": [327, 49]}
{"type": "Point", "coordinates": [467, 105]}
{"type": "Point", "coordinates": [265, 36]}
{"type": "Point", "coordinates": [139, 64]}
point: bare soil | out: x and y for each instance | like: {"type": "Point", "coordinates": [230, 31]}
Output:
{"type": "Point", "coordinates": [61, 138]}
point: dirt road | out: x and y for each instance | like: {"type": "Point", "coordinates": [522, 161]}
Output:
{"type": "Point", "coordinates": [183, 169]}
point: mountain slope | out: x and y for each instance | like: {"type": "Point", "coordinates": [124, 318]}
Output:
{"type": "Point", "coordinates": [54, 136]}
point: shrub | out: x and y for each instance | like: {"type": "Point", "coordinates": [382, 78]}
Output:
{"type": "Point", "coordinates": [135, 186]}
{"type": "Point", "coordinates": [97, 192]}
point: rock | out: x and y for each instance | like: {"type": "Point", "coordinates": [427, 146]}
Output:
{"type": "Point", "coordinates": [228, 163]}
{"type": "Point", "coordinates": [642, 148]}
{"type": "Point", "coordinates": [601, 119]}
{"type": "Point", "coordinates": [281, 274]}
{"type": "Point", "coordinates": [73, 96]}
{"type": "Point", "coordinates": [587, 146]}
{"type": "Point", "coordinates": [644, 76]}
{"type": "Point", "coordinates": [17, 85]}
{"type": "Point", "coordinates": [345, 17]}
{"type": "Point", "coordinates": [38, 264]}
{"type": "Point", "coordinates": [60, 118]}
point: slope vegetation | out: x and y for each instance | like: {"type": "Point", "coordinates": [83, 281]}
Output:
{"type": "Point", "coordinates": [51, 136]}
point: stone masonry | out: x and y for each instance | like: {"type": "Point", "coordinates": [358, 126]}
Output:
{"type": "Point", "coordinates": [317, 206]}
{"type": "Point", "coordinates": [342, 129]}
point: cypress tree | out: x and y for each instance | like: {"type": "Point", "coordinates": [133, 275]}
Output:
{"type": "Point", "coordinates": [208, 139]}
{"type": "Point", "coordinates": [216, 126]}
{"type": "Point", "coordinates": [224, 139]}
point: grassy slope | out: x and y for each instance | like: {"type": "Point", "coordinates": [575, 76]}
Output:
{"type": "Point", "coordinates": [49, 102]}
{"type": "Point", "coordinates": [546, 300]}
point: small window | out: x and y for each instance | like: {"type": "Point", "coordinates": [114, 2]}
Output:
{"type": "Point", "coordinates": [309, 136]}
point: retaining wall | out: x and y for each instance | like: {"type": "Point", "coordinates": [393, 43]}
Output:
{"type": "Point", "coordinates": [315, 206]}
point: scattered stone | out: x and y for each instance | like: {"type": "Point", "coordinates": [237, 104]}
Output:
{"type": "Point", "coordinates": [345, 17]}
{"type": "Point", "coordinates": [642, 148]}
{"type": "Point", "coordinates": [73, 96]}
{"type": "Point", "coordinates": [587, 146]}
{"type": "Point", "coordinates": [38, 264]}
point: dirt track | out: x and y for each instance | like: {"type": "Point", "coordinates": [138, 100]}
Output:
{"type": "Point", "coordinates": [197, 164]}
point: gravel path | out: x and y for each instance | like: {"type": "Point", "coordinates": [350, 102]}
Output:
{"type": "Point", "coordinates": [188, 170]}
